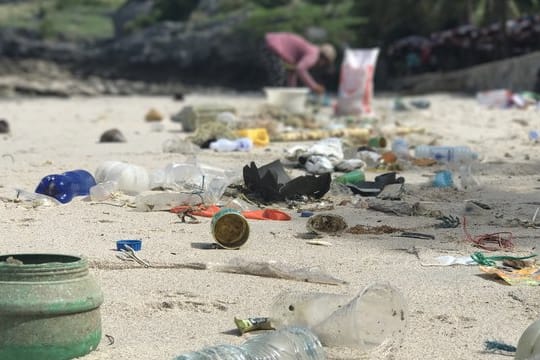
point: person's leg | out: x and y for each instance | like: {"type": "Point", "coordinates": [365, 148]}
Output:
{"type": "Point", "coordinates": [273, 65]}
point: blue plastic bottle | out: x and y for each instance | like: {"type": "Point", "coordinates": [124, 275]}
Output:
{"type": "Point", "coordinates": [63, 187]}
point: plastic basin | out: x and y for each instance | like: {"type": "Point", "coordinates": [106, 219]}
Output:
{"type": "Point", "coordinates": [290, 99]}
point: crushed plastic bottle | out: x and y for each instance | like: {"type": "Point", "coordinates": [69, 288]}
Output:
{"type": "Point", "coordinates": [292, 343]}
{"type": "Point", "coordinates": [226, 145]}
{"type": "Point", "coordinates": [377, 315]}
{"type": "Point", "coordinates": [63, 187]}
{"type": "Point", "coordinates": [34, 200]}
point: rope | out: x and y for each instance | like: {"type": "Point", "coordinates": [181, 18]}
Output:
{"type": "Point", "coordinates": [502, 239]}
{"type": "Point", "coordinates": [496, 345]}
{"type": "Point", "coordinates": [490, 260]}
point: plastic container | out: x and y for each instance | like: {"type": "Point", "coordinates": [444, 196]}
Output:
{"type": "Point", "coordinates": [128, 177]}
{"type": "Point", "coordinates": [500, 98]}
{"type": "Point", "coordinates": [529, 343]}
{"type": "Point", "coordinates": [353, 177]}
{"type": "Point", "coordinates": [377, 315]}
{"type": "Point", "coordinates": [443, 179]}
{"type": "Point", "coordinates": [291, 99]}
{"type": "Point", "coordinates": [259, 136]}
{"type": "Point", "coordinates": [49, 307]}
{"type": "Point", "coordinates": [291, 343]}
{"type": "Point", "coordinates": [63, 187]}
{"type": "Point", "coordinates": [226, 145]}
{"type": "Point", "coordinates": [446, 154]}
{"type": "Point", "coordinates": [136, 245]}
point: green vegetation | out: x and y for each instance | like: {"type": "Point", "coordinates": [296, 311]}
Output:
{"type": "Point", "coordinates": [335, 17]}
{"type": "Point", "coordinates": [356, 22]}
{"type": "Point", "coordinates": [75, 19]}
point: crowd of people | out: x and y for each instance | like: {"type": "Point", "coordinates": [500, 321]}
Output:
{"type": "Point", "coordinates": [464, 46]}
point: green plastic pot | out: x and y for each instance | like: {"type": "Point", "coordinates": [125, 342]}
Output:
{"type": "Point", "coordinates": [529, 343]}
{"type": "Point", "coordinates": [49, 307]}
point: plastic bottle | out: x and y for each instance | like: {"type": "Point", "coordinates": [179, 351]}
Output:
{"type": "Point", "coordinates": [353, 177]}
{"type": "Point", "coordinates": [129, 178]}
{"type": "Point", "coordinates": [63, 187]}
{"type": "Point", "coordinates": [225, 145]}
{"type": "Point", "coordinates": [292, 343]}
{"type": "Point", "coordinates": [447, 154]}
{"type": "Point", "coordinates": [376, 315]}
{"type": "Point", "coordinates": [400, 147]}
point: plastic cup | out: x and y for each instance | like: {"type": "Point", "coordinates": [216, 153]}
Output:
{"type": "Point", "coordinates": [136, 245]}
{"type": "Point", "coordinates": [229, 228]}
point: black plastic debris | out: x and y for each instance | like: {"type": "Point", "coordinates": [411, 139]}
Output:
{"type": "Point", "coordinates": [272, 183]}
{"type": "Point", "coordinates": [373, 188]}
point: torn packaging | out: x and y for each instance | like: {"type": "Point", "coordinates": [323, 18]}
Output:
{"type": "Point", "coordinates": [272, 183]}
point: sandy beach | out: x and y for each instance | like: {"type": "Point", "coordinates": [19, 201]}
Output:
{"type": "Point", "coordinates": [162, 313]}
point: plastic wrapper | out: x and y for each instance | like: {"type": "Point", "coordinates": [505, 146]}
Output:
{"type": "Point", "coordinates": [278, 270]}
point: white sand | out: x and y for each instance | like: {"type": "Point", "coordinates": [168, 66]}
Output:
{"type": "Point", "coordinates": [453, 310]}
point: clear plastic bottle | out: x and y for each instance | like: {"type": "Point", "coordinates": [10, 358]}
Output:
{"type": "Point", "coordinates": [377, 315]}
{"type": "Point", "coordinates": [292, 343]}
{"type": "Point", "coordinates": [63, 187]}
{"type": "Point", "coordinates": [447, 154]}
{"type": "Point", "coordinates": [129, 178]}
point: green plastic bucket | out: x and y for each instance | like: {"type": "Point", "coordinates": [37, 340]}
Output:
{"type": "Point", "coordinates": [49, 307]}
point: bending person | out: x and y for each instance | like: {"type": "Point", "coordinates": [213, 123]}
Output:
{"type": "Point", "coordinates": [288, 57]}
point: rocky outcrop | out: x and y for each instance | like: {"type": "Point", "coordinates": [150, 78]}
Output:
{"type": "Point", "coordinates": [37, 77]}
{"type": "Point", "coordinates": [211, 52]}
{"type": "Point", "coordinates": [517, 74]}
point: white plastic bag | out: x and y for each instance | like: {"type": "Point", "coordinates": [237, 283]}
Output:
{"type": "Point", "coordinates": [356, 82]}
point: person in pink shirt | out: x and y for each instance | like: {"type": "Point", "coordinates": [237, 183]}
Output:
{"type": "Point", "coordinates": [288, 57]}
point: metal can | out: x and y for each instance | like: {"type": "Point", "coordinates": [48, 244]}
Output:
{"type": "Point", "coordinates": [229, 228]}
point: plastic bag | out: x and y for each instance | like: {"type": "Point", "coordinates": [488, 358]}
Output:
{"type": "Point", "coordinates": [356, 82]}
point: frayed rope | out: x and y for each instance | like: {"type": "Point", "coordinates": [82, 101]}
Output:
{"type": "Point", "coordinates": [496, 345]}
